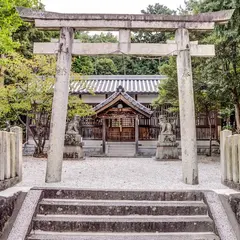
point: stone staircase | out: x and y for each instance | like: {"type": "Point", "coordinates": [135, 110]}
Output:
{"type": "Point", "coordinates": [125, 215]}
{"type": "Point", "coordinates": [120, 149]}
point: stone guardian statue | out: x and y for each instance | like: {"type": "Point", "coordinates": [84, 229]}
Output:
{"type": "Point", "coordinates": [167, 145]}
{"type": "Point", "coordinates": [73, 145]}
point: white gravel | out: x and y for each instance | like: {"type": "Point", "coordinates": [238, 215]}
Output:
{"type": "Point", "coordinates": [123, 173]}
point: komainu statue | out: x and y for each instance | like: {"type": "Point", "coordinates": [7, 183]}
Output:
{"type": "Point", "coordinates": [72, 136]}
{"type": "Point", "coordinates": [167, 145]}
{"type": "Point", "coordinates": [166, 127]}
{"type": "Point", "coordinates": [73, 126]}
{"type": "Point", "coordinates": [73, 145]}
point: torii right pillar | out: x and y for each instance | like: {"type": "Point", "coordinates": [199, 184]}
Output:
{"type": "Point", "coordinates": [187, 108]}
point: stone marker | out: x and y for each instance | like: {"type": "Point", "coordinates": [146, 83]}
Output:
{"type": "Point", "coordinates": [18, 149]}
{"type": "Point", "coordinates": [6, 154]}
{"type": "Point", "coordinates": [235, 166]}
{"type": "Point", "coordinates": [223, 158]}
{"type": "Point", "coordinates": [2, 159]}
{"type": "Point", "coordinates": [13, 154]}
{"type": "Point", "coordinates": [229, 158]}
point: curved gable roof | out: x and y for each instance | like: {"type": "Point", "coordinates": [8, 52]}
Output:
{"type": "Point", "coordinates": [120, 94]}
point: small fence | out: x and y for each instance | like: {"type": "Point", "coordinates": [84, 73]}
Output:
{"type": "Point", "coordinates": [230, 158]}
{"type": "Point", "coordinates": [10, 157]}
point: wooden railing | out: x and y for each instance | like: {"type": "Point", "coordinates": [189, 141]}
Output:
{"type": "Point", "coordinates": [10, 155]}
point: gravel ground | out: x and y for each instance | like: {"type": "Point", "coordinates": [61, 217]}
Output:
{"type": "Point", "coordinates": [123, 173]}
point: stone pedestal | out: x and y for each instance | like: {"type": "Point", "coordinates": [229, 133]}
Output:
{"type": "Point", "coordinates": [73, 147]}
{"type": "Point", "coordinates": [167, 147]}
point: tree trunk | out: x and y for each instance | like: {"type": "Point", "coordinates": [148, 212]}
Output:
{"type": "Point", "coordinates": [237, 116]}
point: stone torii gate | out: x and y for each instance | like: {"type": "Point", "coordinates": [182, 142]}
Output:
{"type": "Point", "coordinates": [181, 47]}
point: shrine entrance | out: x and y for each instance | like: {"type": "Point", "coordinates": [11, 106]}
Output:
{"type": "Point", "coordinates": [120, 114]}
{"type": "Point", "coordinates": [120, 129]}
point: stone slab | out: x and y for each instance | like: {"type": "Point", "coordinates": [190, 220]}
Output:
{"type": "Point", "coordinates": [73, 153]}
{"type": "Point", "coordinates": [132, 223]}
{"type": "Point", "coordinates": [136, 49]}
{"type": "Point", "coordinates": [23, 221]}
{"type": "Point", "coordinates": [225, 200]}
{"type": "Point", "coordinates": [39, 235]}
{"type": "Point", "coordinates": [220, 218]}
{"type": "Point", "coordinates": [7, 183]}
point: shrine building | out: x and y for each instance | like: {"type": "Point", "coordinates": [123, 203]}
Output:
{"type": "Point", "coordinates": [125, 122]}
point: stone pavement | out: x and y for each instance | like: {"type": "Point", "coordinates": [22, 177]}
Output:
{"type": "Point", "coordinates": [123, 173]}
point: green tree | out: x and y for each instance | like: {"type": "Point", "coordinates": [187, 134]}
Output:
{"type": "Point", "coordinates": [83, 65]}
{"type": "Point", "coordinates": [129, 65]}
{"type": "Point", "coordinates": [223, 70]}
{"type": "Point", "coordinates": [9, 24]}
{"type": "Point", "coordinates": [105, 66]}
{"type": "Point", "coordinates": [168, 88]}
{"type": "Point", "coordinates": [30, 93]}
{"type": "Point", "coordinates": [154, 37]}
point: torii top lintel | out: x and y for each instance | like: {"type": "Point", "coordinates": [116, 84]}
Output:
{"type": "Point", "coordinates": [51, 20]}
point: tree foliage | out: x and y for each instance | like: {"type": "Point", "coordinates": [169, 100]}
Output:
{"type": "Point", "coordinates": [10, 22]}
{"type": "Point", "coordinates": [216, 80]}
{"type": "Point", "coordinates": [29, 92]}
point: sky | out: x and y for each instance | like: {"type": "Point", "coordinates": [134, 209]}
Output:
{"type": "Point", "coordinates": [105, 6]}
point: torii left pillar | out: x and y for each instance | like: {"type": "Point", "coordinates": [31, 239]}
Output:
{"type": "Point", "coordinates": [59, 106]}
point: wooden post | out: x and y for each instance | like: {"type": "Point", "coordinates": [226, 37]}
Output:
{"type": "Point", "coordinates": [59, 106]}
{"type": "Point", "coordinates": [136, 133]}
{"type": "Point", "coordinates": [187, 108]}
{"type": "Point", "coordinates": [104, 136]}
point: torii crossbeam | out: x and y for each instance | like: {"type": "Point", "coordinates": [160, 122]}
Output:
{"type": "Point", "coordinates": [124, 23]}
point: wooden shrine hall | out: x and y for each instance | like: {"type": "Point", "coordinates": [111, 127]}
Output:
{"type": "Point", "coordinates": [124, 115]}
{"type": "Point", "coordinates": [120, 113]}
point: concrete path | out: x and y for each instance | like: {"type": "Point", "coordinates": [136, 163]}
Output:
{"type": "Point", "coordinates": [123, 173]}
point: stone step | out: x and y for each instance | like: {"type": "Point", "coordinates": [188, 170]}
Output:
{"type": "Point", "coordinates": [124, 195]}
{"type": "Point", "coordinates": [121, 146]}
{"type": "Point", "coordinates": [121, 151]}
{"type": "Point", "coordinates": [121, 143]}
{"type": "Point", "coordinates": [40, 235]}
{"type": "Point", "coordinates": [121, 207]}
{"type": "Point", "coordinates": [131, 223]}
{"type": "Point", "coordinates": [127, 155]}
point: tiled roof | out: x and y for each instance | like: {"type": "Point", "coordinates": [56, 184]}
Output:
{"type": "Point", "coordinates": [109, 83]}
{"type": "Point", "coordinates": [121, 91]}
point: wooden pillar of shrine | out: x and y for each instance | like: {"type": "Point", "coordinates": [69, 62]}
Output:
{"type": "Point", "coordinates": [136, 133]}
{"type": "Point", "coordinates": [104, 136]}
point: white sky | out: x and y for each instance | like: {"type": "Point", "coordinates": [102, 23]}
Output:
{"type": "Point", "coordinates": [105, 6]}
